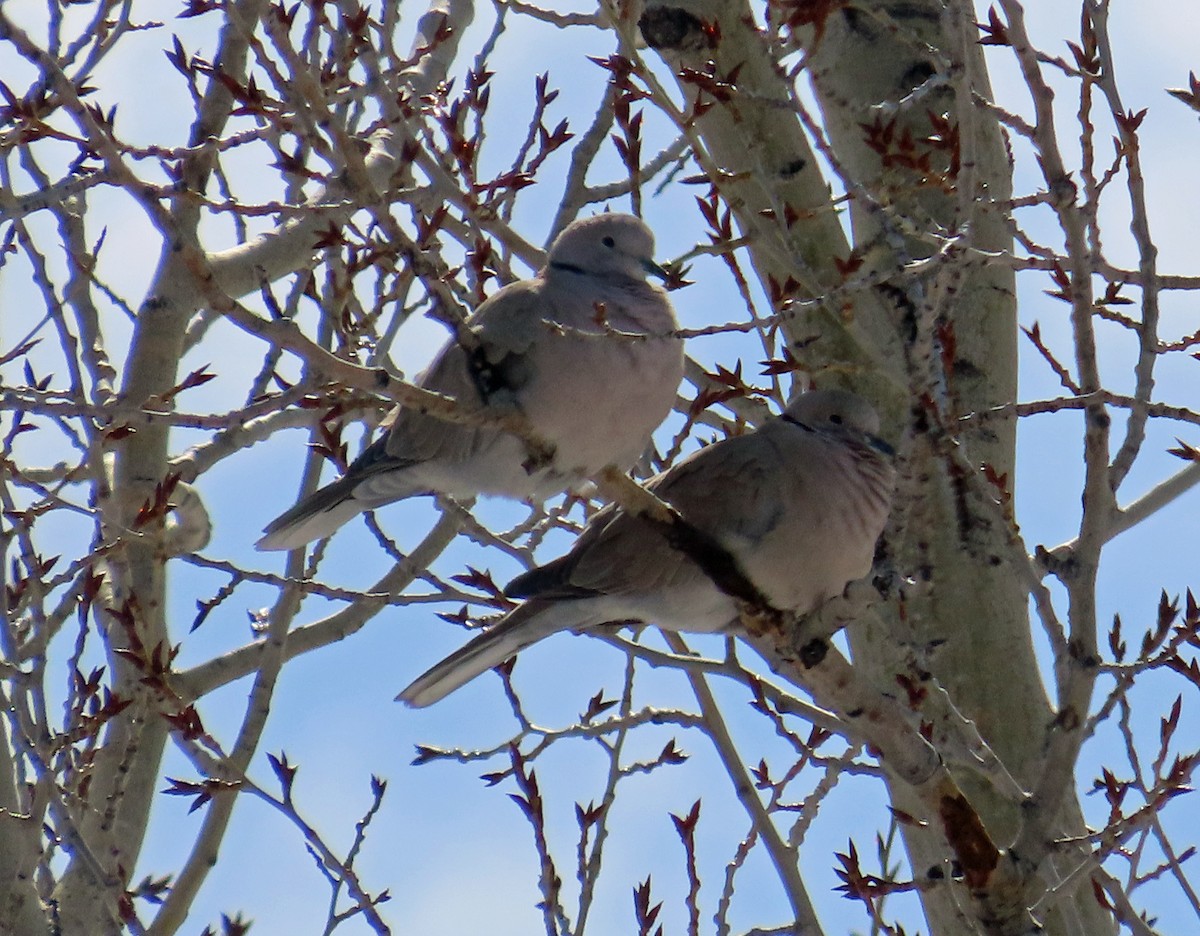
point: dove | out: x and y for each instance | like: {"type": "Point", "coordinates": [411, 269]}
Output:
{"type": "Point", "coordinates": [587, 351]}
{"type": "Point", "coordinates": [799, 505]}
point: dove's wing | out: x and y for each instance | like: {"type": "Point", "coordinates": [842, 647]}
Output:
{"type": "Point", "coordinates": [731, 490]}
{"type": "Point", "coordinates": [506, 326]}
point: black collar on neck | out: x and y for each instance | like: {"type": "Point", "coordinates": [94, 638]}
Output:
{"type": "Point", "coordinates": [872, 440]}
{"type": "Point", "coordinates": [789, 418]}
{"type": "Point", "coordinates": [568, 267]}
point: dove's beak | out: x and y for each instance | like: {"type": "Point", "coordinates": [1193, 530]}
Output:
{"type": "Point", "coordinates": [653, 269]}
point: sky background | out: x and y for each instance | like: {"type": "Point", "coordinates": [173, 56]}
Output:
{"type": "Point", "coordinates": [455, 854]}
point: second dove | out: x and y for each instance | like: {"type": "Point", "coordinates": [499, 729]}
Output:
{"type": "Point", "coordinates": [799, 504]}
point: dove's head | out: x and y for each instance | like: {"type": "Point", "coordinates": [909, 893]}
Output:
{"type": "Point", "coordinates": [606, 244]}
{"type": "Point", "coordinates": [838, 411]}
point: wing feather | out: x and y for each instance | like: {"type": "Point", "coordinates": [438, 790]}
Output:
{"type": "Point", "coordinates": [506, 325]}
{"type": "Point", "coordinates": [730, 490]}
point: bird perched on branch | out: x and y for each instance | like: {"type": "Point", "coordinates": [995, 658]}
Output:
{"type": "Point", "coordinates": [586, 351]}
{"type": "Point", "coordinates": [798, 505]}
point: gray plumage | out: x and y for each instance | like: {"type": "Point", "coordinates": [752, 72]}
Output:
{"type": "Point", "coordinates": [584, 350]}
{"type": "Point", "coordinates": [799, 503]}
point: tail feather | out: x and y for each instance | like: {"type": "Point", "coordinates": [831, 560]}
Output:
{"type": "Point", "coordinates": [316, 516]}
{"type": "Point", "coordinates": [373, 479]}
{"type": "Point", "coordinates": [522, 627]}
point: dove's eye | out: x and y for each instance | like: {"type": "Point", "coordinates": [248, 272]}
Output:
{"type": "Point", "coordinates": [608, 242]}
{"type": "Point", "coordinates": [836, 419]}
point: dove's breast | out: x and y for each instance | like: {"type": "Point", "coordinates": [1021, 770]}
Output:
{"type": "Point", "coordinates": [615, 371]}
{"type": "Point", "coordinates": [837, 497]}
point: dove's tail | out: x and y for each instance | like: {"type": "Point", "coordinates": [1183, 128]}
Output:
{"type": "Point", "coordinates": [526, 625]}
{"type": "Point", "coordinates": [316, 516]}
{"type": "Point", "coordinates": [373, 479]}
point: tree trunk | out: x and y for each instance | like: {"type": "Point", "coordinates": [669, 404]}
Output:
{"type": "Point", "coordinates": [864, 62]}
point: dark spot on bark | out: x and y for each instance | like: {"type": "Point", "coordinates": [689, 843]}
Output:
{"type": "Point", "coordinates": [855, 21]}
{"type": "Point", "coordinates": [1063, 192]}
{"type": "Point", "coordinates": [917, 75]}
{"type": "Point", "coordinates": [813, 652]}
{"type": "Point", "coordinates": [935, 873]}
{"type": "Point", "coordinates": [904, 305]}
{"type": "Point", "coordinates": [1101, 420]}
{"type": "Point", "coordinates": [795, 166]}
{"type": "Point", "coordinates": [911, 12]}
{"type": "Point", "coordinates": [965, 832]}
{"type": "Point", "coordinates": [1068, 719]}
{"type": "Point", "coordinates": [966, 368]}
{"type": "Point", "coordinates": [854, 713]}
{"type": "Point", "coordinates": [672, 28]}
